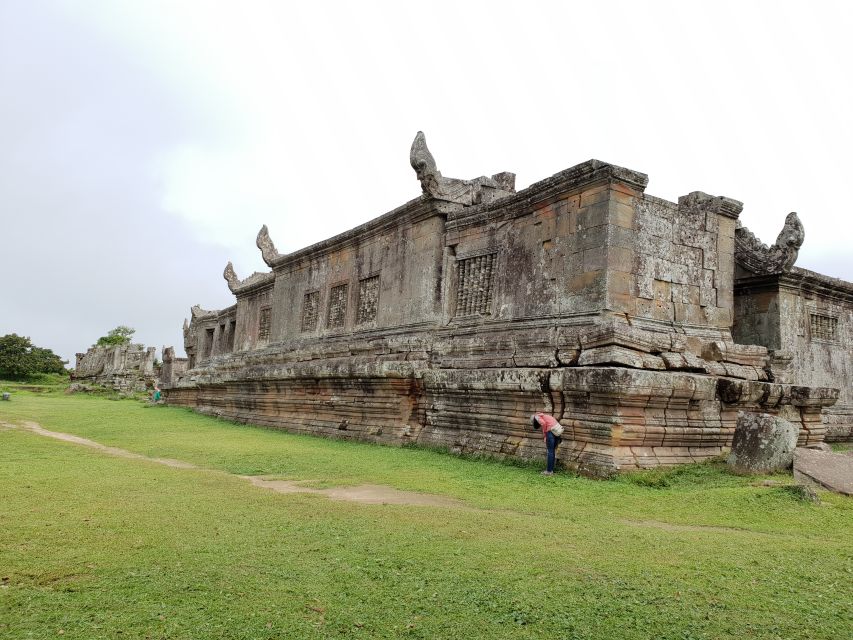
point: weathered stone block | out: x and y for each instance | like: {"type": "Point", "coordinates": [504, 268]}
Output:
{"type": "Point", "coordinates": [622, 215]}
{"type": "Point", "coordinates": [762, 443]}
{"type": "Point", "coordinates": [619, 355]}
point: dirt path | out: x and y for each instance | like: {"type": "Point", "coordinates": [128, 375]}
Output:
{"type": "Point", "coordinates": [113, 451]}
{"type": "Point", "coordinates": [703, 528]}
{"type": "Point", "coordinates": [365, 494]}
{"type": "Point", "coordinates": [668, 526]}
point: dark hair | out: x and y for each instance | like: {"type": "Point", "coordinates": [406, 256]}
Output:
{"type": "Point", "coordinates": [534, 423]}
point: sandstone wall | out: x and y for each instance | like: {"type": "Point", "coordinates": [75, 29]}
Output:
{"type": "Point", "coordinates": [394, 270]}
{"type": "Point", "coordinates": [684, 256]}
{"type": "Point", "coordinates": [253, 322]}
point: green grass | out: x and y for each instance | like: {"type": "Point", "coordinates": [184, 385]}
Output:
{"type": "Point", "coordinates": [104, 547]}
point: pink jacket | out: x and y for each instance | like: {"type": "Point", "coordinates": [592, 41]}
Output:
{"type": "Point", "coordinates": [546, 422]}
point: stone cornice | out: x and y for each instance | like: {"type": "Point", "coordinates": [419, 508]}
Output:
{"type": "Point", "coordinates": [798, 280]}
{"type": "Point", "coordinates": [253, 284]}
{"type": "Point", "coordinates": [585, 174]}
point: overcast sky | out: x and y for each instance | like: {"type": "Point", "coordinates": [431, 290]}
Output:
{"type": "Point", "coordinates": [143, 144]}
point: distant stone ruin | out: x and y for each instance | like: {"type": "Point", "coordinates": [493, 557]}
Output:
{"type": "Point", "coordinates": [449, 320]}
{"type": "Point", "coordinates": [172, 368]}
{"type": "Point", "coordinates": [129, 367]}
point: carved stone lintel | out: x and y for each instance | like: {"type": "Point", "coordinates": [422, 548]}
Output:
{"type": "Point", "coordinates": [754, 256]}
{"type": "Point", "coordinates": [231, 277]}
{"type": "Point", "coordinates": [464, 192]}
{"type": "Point", "coordinates": [265, 244]}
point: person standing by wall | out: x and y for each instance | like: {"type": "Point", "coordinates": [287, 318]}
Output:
{"type": "Point", "coordinates": [551, 432]}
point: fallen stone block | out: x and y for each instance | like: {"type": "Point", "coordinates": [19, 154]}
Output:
{"type": "Point", "coordinates": [833, 471]}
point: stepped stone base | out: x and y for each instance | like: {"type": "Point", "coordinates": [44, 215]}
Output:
{"type": "Point", "coordinates": [616, 419]}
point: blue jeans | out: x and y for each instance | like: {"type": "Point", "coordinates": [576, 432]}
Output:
{"type": "Point", "coordinates": [552, 442]}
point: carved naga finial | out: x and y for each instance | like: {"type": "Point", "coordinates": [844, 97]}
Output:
{"type": "Point", "coordinates": [464, 192]}
{"type": "Point", "coordinates": [268, 251]}
{"type": "Point", "coordinates": [423, 163]}
{"type": "Point", "coordinates": [758, 258]}
{"type": "Point", "coordinates": [231, 277]}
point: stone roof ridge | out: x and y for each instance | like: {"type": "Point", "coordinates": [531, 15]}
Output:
{"type": "Point", "coordinates": [235, 285]}
{"type": "Point", "coordinates": [590, 170]}
{"type": "Point", "coordinates": [577, 176]}
{"type": "Point", "coordinates": [586, 172]}
{"type": "Point", "coordinates": [818, 278]}
{"type": "Point", "coordinates": [415, 207]}
{"type": "Point", "coordinates": [197, 313]}
{"type": "Point", "coordinates": [824, 279]}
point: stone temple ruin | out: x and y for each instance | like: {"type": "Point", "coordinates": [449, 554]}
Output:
{"type": "Point", "coordinates": [643, 325]}
{"type": "Point", "coordinates": [129, 367]}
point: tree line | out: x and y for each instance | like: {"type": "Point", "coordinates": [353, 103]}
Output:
{"type": "Point", "coordinates": [19, 358]}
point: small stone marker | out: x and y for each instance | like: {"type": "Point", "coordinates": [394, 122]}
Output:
{"type": "Point", "coordinates": [7, 396]}
{"type": "Point", "coordinates": [762, 443]}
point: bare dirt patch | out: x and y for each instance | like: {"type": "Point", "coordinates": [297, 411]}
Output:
{"type": "Point", "coordinates": [365, 494]}
{"type": "Point", "coordinates": [668, 526]}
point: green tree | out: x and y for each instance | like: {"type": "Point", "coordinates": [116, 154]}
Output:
{"type": "Point", "coordinates": [19, 358]}
{"type": "Point", "coordinates": [15, 360]}
{"type": "Point", "coordinates": [46, 361]}
{"type": "Point", "coordinates": [118, 336]}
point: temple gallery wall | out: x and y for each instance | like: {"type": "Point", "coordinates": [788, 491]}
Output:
{"type": "Point", "coordinates": [644, 325]}
{"type": "Point", "coordinates": [127, 367]}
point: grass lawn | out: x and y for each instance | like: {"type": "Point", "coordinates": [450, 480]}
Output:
{"type": "Point", "coordinates": [95, 546]}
